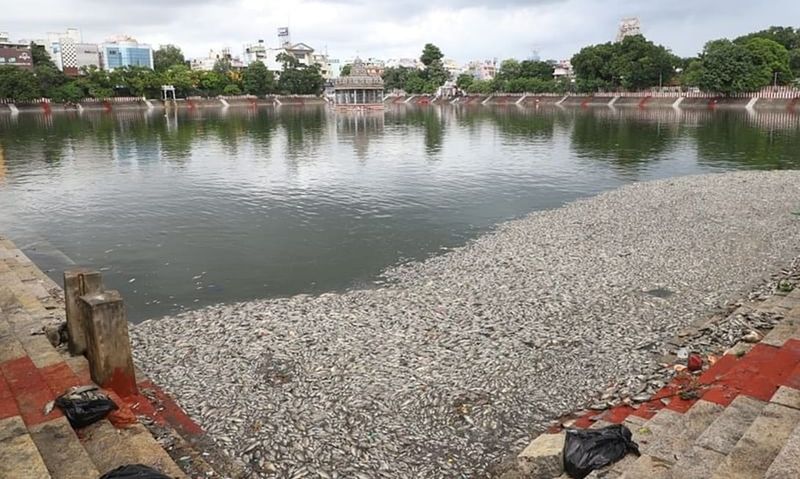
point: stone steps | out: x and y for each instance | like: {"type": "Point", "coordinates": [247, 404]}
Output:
{"type": "Point", "coordinates": [745, 423]}
{"type": "Point", "coordinates": [42, 446]}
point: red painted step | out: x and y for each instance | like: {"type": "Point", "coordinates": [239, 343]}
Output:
{"type": "Point", "coordinates": [30, 390]}
{"type": "Point", "coordinates": [8, 405]}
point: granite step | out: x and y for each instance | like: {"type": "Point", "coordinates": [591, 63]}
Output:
{"type": "Point", "coordinates": [109, 448]}
{"type": "Point", "coordinates": [61, 451]}
{"type": "Point", "coordinates": [19, 457]}
{"type": "Point", "coordinates": [718, 440]}
{"type": "Point", "coordinates": [761, 443]}
{"type": "Point", "coordinates": [682, 433]}
{"type": "Point", "coordinates": [787, 462]}
{"type": "Point", "coordinates": [671, 441]}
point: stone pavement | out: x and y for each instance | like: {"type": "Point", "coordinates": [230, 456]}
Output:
{"type": "Point", "coordinates": [740, 418]}
{"type": "Point", "coordinates": [33, 372]}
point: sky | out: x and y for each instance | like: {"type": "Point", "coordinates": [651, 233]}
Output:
{"type": "Point", "coordinates": [463, 29]}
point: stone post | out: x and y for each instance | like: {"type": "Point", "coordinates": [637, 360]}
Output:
{"type": "Point", "coordinates": [108, 346]}
{"type": "Point", "coordinates": [79, 282]}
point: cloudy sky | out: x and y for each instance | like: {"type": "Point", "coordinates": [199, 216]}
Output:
{"type": "Point", "coordinates": [463, 29]}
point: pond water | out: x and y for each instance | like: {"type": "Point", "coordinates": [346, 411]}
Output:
{"type": "Point", "coordinates": [200, 207]}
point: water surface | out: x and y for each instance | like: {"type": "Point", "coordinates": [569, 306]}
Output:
{"type": "Point", "coordinates": [211, 206]}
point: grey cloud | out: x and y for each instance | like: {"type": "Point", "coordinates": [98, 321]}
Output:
{"type": "Point", "coordinates": [465, 29]}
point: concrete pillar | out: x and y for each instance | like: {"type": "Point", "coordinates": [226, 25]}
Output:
{"type": "Point", "coordinates": [108, 346]}
{"type": "Point", "coordinates": [79, 282]}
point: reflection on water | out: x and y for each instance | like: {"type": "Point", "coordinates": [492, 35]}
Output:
{"type": "Point", "coordinates": [198, 207]}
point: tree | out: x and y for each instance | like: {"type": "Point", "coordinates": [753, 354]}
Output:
{"type": "Point", "coordinates": [180, 76]}
{"type": "Point", "coordinates": [222, 66]}
{"type": "Point", "coordinates": [635, 63]}
{"type": "Point", "coordinates": [394, 78]}
{"type": "Point", "coordinates": [297, 78]}
{"type": "Point", "coordinates": [257, 80]}
{"type": "Point", "coordinates": [345, 72]}
{"type": "Point", "coordinates": [232, 89]}
{"type": "Point", "coordinates": [212, 83]}
{"type": "Point", "coordinates": [68, 93]}
{"type": "Point", "coordinates": [18, 84]}
{"type": "Point", "coordinates": [430, 54]}
{"type": "Point", "coordinates": [690, 76]}
{"type": "Point", "coordinates": [771, 57]}
{"type": "Point", "coordinates": [167, 56]}
{"type": "Point", "coordinates": [464, 81]}
{"type": "Point", "coordinates": [729, 68]}
{"type": "Point", "coordinates": [788, 37]}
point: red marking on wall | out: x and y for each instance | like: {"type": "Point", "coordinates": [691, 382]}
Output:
{"type": "Point", "coordinates": [107, 105]}
{"type": "Point", "coordinates": [29, 389]}
{"type": "Point", "coordinates": [644, 100]}
{"type": "Point", "coordinates": [712, 103]}
{"type": "Point", "coordinates": [190, 103]}
{"type": "Point", "coordinates": [46, 107]}
{"type": "Point", "coordinates": [121, 383]}
{"type": "Point", "coordinates": [585, 103]}
{"type": "Point", "coordinates": [423, 101]}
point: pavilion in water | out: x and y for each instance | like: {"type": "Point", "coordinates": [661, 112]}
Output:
{"type": "Point", "coordinates": [359, 90]}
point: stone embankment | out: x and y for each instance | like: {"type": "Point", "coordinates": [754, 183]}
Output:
{"type": "Point", "coordinates": [137, 103]}
{"type": "Point", "coordinates": [458, 360]}
{"type": "Point", "coordinates": [36, 441]}
{"type": "Point", "coordinates": [782, 99]}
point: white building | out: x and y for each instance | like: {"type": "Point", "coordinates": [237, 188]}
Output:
{"type": "Point", "coordinates": [628, 27]}
{"type": "Point", "coordinates": [563, 69]}
{"type": "Point", "coordinates": [452, 67]}
{"type": "Point", "coordinates": [207, 63]}
{"type": "Point", "coordinates": [404, 62]}
{"type": "Point", "coordinates": [483, 69]}
{"type": "Point", "coordinates": [70, 53]}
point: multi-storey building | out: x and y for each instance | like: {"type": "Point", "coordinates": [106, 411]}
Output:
{"type": "Point", "coordinates": [483, 70]}
{"type": "Point", "coordinates": [16, 54]}
{"type": "Point", "coordinates": [207, 63]}
{"type": "Point", "coordinates": [123, 51]}
{"type": "Point", "coordinates": [69, 53]}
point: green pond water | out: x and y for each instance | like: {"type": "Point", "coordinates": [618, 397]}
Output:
{"type": "Point", "coordinates": [189, 209]}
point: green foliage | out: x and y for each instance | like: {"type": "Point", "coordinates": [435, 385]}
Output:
{"type": "Point", "coordinates": [635, 63]}
{"type": "Point", "coordinates": [257, 80]}
{"type": "Point", "coordinates": [345, 72]}
{"type": "Point", "coordinates": [299, 79]}
{"type": "Point", "coordinates": [430, 54]}
{"type": "Point", "coordinates": [526, 76]}
{"type": "Point", "coordinates": [18, 84]}
{"type": "Point", "coordinates": [729, 67]}
{"type": "Point", "coordinates": [771, 57]}
{"type": "Point", "coordinates": [483, 87]}
{"type": "Point", "coordinates": [232, 89]}
{"type": "Point", "coordinates": [788, 37]}
{"type": "Point", "coordinates": [464, 81]}
{"type": "Point", "coordinates": [690, 76]}
{"type": "Point", "coordinates": [68, 93]}
{"type": "Point", "coordinates": [394, 78]}
{"type": "Point", "coordinates": [167, 56]}
{"type": "Point", "coordinates": [418, 81]}
{"type": "Point", "coordinates": [180, 76]}
{"type": "Point", "coordinates": [222, 66]}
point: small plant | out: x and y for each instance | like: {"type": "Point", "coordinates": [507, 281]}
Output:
{"type": "Point", "coordinates": [785, 286]}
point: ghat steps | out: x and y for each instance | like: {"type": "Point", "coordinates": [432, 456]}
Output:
{"type": "Point", "coordinates": [744, 424]}
{"type": "Point", "coordinates": [32, 373]}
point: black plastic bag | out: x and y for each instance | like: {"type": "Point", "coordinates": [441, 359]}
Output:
{"type": "Point", "coordinates": [586, 450]}
{"type": "Point", "coordinates": [134, 471]}
{"type": "Point", "coordinates": [84, 405]}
